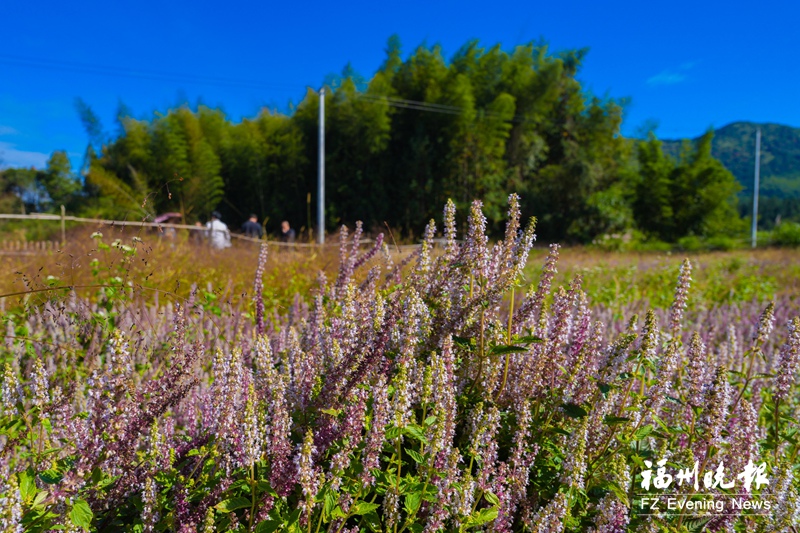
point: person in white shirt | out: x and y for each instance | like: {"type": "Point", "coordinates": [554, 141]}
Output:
{"type": "Point", "coordinates": [218, 234]}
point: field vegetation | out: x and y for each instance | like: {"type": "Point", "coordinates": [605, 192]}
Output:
{"type": "Point", "coordinates": [465, 384]}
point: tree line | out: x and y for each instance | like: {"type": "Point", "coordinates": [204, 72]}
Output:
{"type": "Point", "coordinates": [423, 129]}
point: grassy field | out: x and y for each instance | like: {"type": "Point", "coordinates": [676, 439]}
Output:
{"type": "Point", "coordinates": [621, 281]}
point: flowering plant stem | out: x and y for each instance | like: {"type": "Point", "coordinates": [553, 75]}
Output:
{"type": "Point", "coordinates": [481, 351]}
{"type": "Point", "coordinates": [399, 470]}
{"type": "Point", "coordinates": [508, 341]}
{"type": "Point", "coordinates": [254, 495]}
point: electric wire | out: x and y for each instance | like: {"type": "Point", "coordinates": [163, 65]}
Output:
{"type": "Point", "coordinates": [113, 71]}
{"type": "Point", "coordinates": [154, 75]}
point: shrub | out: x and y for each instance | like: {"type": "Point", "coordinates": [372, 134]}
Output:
{"type": "Point", "coordinates": [723, 244]}
{"type": "Point", "coordinates": [691, 243]}
{"type": "Point", "coordinates": [787, 234]}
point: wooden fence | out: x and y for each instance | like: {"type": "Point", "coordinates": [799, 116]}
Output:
{"type": "Point", "coordinates": [17, 247]}
{"type": "Point", "coordinates": [33, 247]}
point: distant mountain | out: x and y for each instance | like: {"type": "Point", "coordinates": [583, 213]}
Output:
{"type": "Point", "coordinates": [734, 145]}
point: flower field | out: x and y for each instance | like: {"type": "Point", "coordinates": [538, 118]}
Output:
{"type": "Point", "coordinates": [472, 386]}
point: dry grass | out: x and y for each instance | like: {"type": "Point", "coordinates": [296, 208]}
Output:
{"type": "Point", "coordinates": [163, 269]}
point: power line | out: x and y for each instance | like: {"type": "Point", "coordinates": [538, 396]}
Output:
{"type": "Point", "coordinates": [419, 106]}
{"type": "Point", "coordinates": [106, 70]}
{"type": "Point", "coordinates": [124, 72]}
{"type": "Point", "coordinates": [413, 103]}
{"type": "Point", "coordinates": [434, 108]}
{"type": "Point", "coordinates": [155, 75]}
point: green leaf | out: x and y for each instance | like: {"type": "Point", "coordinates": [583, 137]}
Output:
{"type": "Point", "coordinates": [660, 422]}
{"type": "Point", "coordinates": [392, 433]}
{"type": "Point", "coordinates": [329, 503]}
{"type": "Point", "coordinates": [268, 526]}
{"type": "Point", "coordinates": [478, 518]}
{"type": "Point", "coordinates": [642, 432]}
{"type": "Point", "coordinates": [412, 502]}
{"type": "Point", "coordinates": [418, 458]}
{"type": "Point", "coordinates": [232, 504]}
{"type": "Point", "coordinates": [614, 420]}
{"type": "Point", "coordinates": [40, 497]}
{"type": "Point", "coordinates": [81, 514]}
{"type": "Point", "coordinates": [414, 431]}
{"type": "Point", "coordinates": [241, 484]}
{"type": "Point", "coordinates": [529, 339]}
{"type": "Point", "coordinates": [332, 412]}
{"type": "Point", "coordinates": [501, 350]}
{"type": "Point", "coordinates": [431, 493]}
{"type": "Point", "coordinates": [264, 486]}
{"type": "Point", "coordinates": [491, 498]}
{"type": "Point", "coordinates": [97, 475]}
{"type": "Point", "coordinates": [12, 427]}
{"type": "Point", "coordinates": [429, 421]}
{"type": "Point", "coordinates": [462, 341]}
{"type": "Point", "coordinates": [362, 507]}
{"type": "Point", "coordinates": [53, 475]}
{"type": "Point", "coordinates": [697, 524]}
{"type": "Point", "coordinates": [294, 518]}
{"type": "Point", "coordinates": [373, 522]}
{"type": "Point", "coordinates": [618, 491]}
{"type": "Point", "coordinates": [27, 485]}
{"type": "Point", "coordinates": [574, 410]}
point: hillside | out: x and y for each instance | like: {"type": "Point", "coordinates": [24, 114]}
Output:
{"type": "Point", "coordinates": [734, 146]}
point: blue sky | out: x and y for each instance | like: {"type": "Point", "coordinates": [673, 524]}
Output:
{"type": "Point", "coordinates": [684, 65]}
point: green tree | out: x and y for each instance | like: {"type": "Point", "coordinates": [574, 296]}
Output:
{"type": "Point", "coordinates": [28, 190]}
{"type": "Point", "coordinates": [60, 183]}
{"type": "Point", "coordinates": [15, 184]}
{"type": "Point", "coordinates": [704, 198]}
{"type": "Point", "coordinates": [265, 169]}
{"type": "Point", "coordinates": [482, 124]}
{"type": "Point", "coordinates": [693, 196]}
{"type": "Point", "coordinates": [582, 155]}
{"type": "Point", "coordinates": [652, 205]}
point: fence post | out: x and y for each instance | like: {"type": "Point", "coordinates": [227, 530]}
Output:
{"type": "Point", "coordinates": [63, 226]}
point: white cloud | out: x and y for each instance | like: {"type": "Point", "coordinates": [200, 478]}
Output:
{"type": "Point", "coordinates": [7, 130]}
{"type": "Point", "coordinates": [11, 157]}
{"type": "Point", "coordinates": [666, 77]}
{"type": "Point", "coordinates": [672, 76]}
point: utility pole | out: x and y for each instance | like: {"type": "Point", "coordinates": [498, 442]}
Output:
{"type": "Point", "coordinates": [321, 171]}
{"type": "Point", "coordinates": [755, 185]}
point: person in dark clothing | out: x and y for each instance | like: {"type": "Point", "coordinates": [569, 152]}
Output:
{"type": "Point", "coordinates": [287, 233]}
{"type": "Point", "coordinates": [251, 228]}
